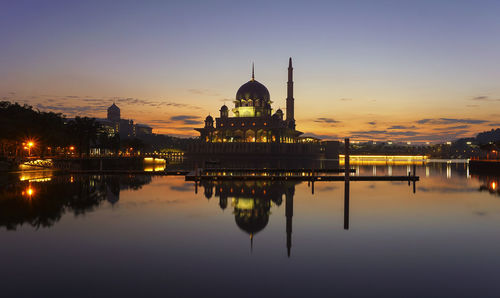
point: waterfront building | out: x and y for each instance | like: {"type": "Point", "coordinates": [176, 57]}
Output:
{"type": "Point", "coordinates": [253, 120]}
{"type": "Point", "coordinates": [255, 129]}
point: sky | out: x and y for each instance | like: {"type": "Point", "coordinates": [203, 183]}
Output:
{"type": "Point", "coordinates": [370, 70]}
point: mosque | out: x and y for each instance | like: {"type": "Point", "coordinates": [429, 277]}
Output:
{"type": "Point", "coordinates": [253, 119]}
{"type": "Point", "coordinates": [255, 130]}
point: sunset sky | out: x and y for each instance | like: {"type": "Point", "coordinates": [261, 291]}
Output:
{"type": "Point", "coordinates": [369, 70]}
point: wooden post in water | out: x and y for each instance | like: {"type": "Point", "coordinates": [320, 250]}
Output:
{"type": "Point", "coordinates": [414, 175]}
{"type": "Point", "coordinates": [347, 173]}
{"type": "Point", "coordinates": [409, 175]}
{"type": "Point", "coordinates": [347, 166]}
{"type": "Point", "coordinates": [346, 205]}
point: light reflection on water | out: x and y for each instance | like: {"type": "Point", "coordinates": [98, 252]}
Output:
{"type": "Point", "coordinates": [130, 235]}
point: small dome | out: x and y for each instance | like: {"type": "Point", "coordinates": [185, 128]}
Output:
{"type": "Point", "coordinates": [253, 90]}
{"type": "Point", "coordinates": [209, 119]}
{"type": "Point", "coordinates": [279, 112]}
{"type": "Point", "coordinates": [224, 108]}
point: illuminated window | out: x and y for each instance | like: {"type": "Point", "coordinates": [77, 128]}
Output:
{"type": "Point", "coordinates": [265, 123]}
{"type": "Point", "coordinates": [253, 124]}
{"type": "Point", "coordinates": [243, 124]}
{"type": "Point", "coordinates": [232, 124]}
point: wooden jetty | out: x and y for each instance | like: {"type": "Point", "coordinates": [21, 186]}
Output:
{"type": "Point", "coordinates": [192, 176]}
{"type": "Point", "coordinates": [312, 175]}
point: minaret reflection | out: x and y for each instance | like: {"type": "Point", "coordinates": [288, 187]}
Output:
{"type": "Point", "coordinates": [346, 205]}
{"type": "Point", "coordinates": [252, 202]}
{"type": "Point", "coordinates": [289, 214]}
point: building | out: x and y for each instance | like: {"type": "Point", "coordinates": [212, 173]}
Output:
{"type": "Point", "coordinates": [126, 128]}
{"type": "Point", "coordinates": [254, 130]}
{"type": "Point", "coordinates": [253, 120]}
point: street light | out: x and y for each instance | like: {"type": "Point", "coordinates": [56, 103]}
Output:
{"type": "Point", "coordinates": [30, 144]}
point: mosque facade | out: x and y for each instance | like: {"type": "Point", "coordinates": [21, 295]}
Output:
{"type": "Point", "coordinates": [255, 129]}
{"type": "Point", "coordinates": [253, 120]}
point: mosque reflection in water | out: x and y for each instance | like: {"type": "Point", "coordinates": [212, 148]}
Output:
{"type": "Point", "coordinates": [251, 202]}
{"type": "Point", "coordinates": [41, 202]}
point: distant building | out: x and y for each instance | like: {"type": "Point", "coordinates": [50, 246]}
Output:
{"type": "Point", "coordinates": [143, 129]}
{"type": "Point", "coordinates": [114, 113]}
{"type": "Point", "coordinates": [126, 128]}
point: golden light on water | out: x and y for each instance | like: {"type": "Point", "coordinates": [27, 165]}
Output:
{"type": "Point", "coordinates": [383, 159]}
{"type": "Point", "coordinates": [28, 192]}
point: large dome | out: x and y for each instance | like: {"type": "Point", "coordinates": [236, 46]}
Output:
{"type": "Point", "coordinates": [252, 224]}
{"type": "Point", "coordinates": [253, 90]}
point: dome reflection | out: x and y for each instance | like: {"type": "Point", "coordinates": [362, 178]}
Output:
{"type": "Point", "coordinates": [252, 201]}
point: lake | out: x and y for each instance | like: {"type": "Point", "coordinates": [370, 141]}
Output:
{"type": "Point", "coordinates": [160, 236]}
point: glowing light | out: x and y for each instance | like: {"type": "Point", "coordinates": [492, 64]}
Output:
{"type": "Point", "coordinates": [493, 185]}
{"type": "Point", "coordinates": [384, 159]}
{"type": "Point", "coordinates": [29, 192]}
{"type": "Point", "coordinates": [71, 148]}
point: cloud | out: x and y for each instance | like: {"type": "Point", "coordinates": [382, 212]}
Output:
{"type": "Point", "coordinates": [160, 121]}
{"type": "Point", "coordinates": [106, 101]}
{"type": "Point", "coordinates": [321, 136]}
{"type": "Point", "coordinates": [452, 127]}
{"type": "Point", "coordinates": [451, 121]}
{"type": "Point", "coordinates": [72, 111]}
{"type": "Point", "coordinates": [330, 121]}
{"type": "Point", "coordinates": [472, 106]}
{"type": "Point", "coordinates": [345, 99]}
{"type": "Point", "coordinates": [401, 127]}
{"type": "Point", "coordinates": [484, 98]}
{"type": "Point", "coordinates": [187, 119]}
{"type": "Point", "coordinates": [494, 124]}
{"type": "Point", "coordinates": [382, 134]}
{"type": "Point", "coordinates": [372, 123]}
{"type": "Point", "coordinates": [203, 91]}
{"type": "Point", "coordinates": [368, 132]}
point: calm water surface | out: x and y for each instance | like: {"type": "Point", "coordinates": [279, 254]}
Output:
{"type": "Point", "coordinates": [105, 236]}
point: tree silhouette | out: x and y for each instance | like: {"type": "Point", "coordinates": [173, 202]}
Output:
{"type": "Point", "coordinates": [84, 131]}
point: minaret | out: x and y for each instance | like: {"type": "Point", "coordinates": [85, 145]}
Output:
{"type": "Point", "coordinates": [290, 119]}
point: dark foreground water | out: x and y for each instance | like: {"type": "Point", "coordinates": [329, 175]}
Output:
{"type": "Point", "coordinates": [142, 236]}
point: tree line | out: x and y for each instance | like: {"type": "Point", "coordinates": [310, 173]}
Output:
{"type": "Point", "coordinates": [20, 124]}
